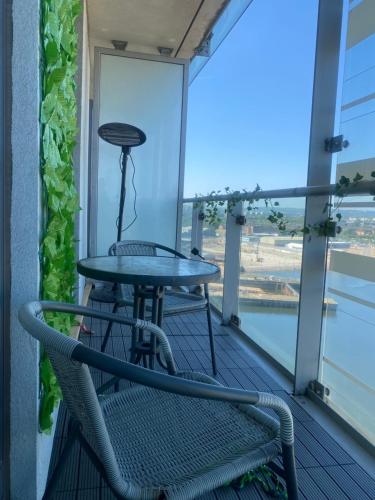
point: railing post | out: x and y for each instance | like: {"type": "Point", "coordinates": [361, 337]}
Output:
{"type": "Point", "coordinates": [232, 264]}
{"type": "Point", "coordinates": [313, 269]}
{"type": "Point", "coordinates": [197, 227]}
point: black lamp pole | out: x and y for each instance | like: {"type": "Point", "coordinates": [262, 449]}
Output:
{"type": "Point", "coordinates": [125, 154]}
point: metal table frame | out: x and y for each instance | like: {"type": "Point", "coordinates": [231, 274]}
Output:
{"type": "Point", "coordinates": [147, 287]}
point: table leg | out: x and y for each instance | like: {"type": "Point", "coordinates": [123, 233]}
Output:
{"type": "Point", "coordinates": [160, 307]}
{"type": "Point", "coordinates": [142, 310]}
{"type": "Point", "coordinates": [154, 319]}
{"type": "Point", "coordinates": [140, 350]}
{"type": "Point", "coordinates": [136, 304]}
{"type": "Point", "coordinates": [160, 323]}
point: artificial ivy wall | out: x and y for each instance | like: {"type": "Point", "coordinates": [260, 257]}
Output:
{"type": "Point", "coordinates": [59, 42]}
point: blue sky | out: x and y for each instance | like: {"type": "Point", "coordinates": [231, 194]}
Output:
{"type": "Point", "coordinates": [249, 108]}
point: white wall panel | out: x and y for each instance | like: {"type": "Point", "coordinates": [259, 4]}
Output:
{"type": "Point", "coordinates": [147, 94]}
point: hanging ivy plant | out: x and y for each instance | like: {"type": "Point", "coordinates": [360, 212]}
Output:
{"type": "Point", "coordinates": [211, 210]}
{"type": "Point", "coordinates": [58, 117]}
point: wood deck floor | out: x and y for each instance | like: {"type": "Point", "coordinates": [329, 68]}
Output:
{"type": "Point", "coordinates": [325, 470]}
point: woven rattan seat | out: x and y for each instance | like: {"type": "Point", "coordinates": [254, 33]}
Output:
{"type": "Point", "coordinates": [172, 440]}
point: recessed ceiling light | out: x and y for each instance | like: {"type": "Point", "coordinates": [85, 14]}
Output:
{"type": "Point", "coordinates": [165, 51]}
{"type": "Point", "coordinates": [119, 44]}
{"type": "Point", "coordinates": [104, 30]}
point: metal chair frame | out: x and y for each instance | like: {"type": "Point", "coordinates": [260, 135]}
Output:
{"type": "Point", "coordinates": [70, 360]}
{"type": "Point", "coordinates": [128, 248]}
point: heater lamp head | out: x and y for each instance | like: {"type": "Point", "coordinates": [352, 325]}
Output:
{"type": "Point", "coordinates": [121, 134]}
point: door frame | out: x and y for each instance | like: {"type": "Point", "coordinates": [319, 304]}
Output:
{"type": "Point", "coordinates": [93, 175]}
{"type": "Point", "coordinates": [5, 276]}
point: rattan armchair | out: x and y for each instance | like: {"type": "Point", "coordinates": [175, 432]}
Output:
{"type": "Point", "coordinates": [175, 435]}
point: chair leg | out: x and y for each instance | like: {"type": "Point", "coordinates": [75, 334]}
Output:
{"type": "Point", "coordinates": [135, 331]}
{"type": "Point", "coordinates": [210, 331]}
{"type": "Point", "coordinates": [212, 344]}
{"type": "Point", "coordinates": [290, 471]}
{"type": "Point", "coordinates": [109, 328]}
{"type": "Point", "coordinates": [154, 319]}
{"type": "Point", "coordinates": [96, 463]}
{"type": "Point", "coordinates": [92, 455]}
{"type": "Point", "coordinates": [52, 483]}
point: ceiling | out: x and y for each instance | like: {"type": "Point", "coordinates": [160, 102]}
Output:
{"type": "Point", "coordinates": [148, 24]}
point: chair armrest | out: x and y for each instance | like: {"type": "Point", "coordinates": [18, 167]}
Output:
{"type": "Point", "coordinates": [61, 307]}
{"type": "Point", "coordinates": [278, 405]}
{"type": "Point", "coordinates": [163, 343]}
{"type": "Point", "coordinates": [170, 250]}
{"type": "Point", "coordinates": [266, 400]}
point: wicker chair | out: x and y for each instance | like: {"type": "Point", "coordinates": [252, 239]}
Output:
{"type": "Point", "coordinates": [176, 302]}
{"type": "Point", "coordinates": [175, 435]}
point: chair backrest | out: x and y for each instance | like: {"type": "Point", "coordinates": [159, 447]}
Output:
{"type": "Point", "coordinates": [148, 248]}
{"type": "Point", "coordinates": [76, 385]}
{"type": "Point", "coordinates": [132, 247]}
{"type": "Point", "coordinates": [139, 247]}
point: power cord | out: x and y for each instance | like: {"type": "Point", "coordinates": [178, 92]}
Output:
{"type": "Point", "coordinates": [135, 199]}
{"type": "Point", "coordinates": [135, 194]}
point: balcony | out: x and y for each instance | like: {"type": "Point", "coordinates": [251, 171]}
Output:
{"type": "Point", "coordinates": [294, 308]}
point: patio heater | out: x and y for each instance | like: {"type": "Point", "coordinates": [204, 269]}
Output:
{"type": "Point", "coordinates": [127, 137]}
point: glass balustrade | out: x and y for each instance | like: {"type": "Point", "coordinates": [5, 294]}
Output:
{"type": "Point", "coordinates": [186, 227]}
{"type": "Point", "coordinates": [348, 335]}
{"type": "Point", "coordinates": [270, 260]}
{"type": "Point", "coordinates": [213, 250]}
{"type": "Point", "coordinates": [270, 271]}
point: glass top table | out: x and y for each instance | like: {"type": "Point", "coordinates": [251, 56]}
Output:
{"type": "Point", "coordinates": [149, 276]}
{"type": "Point", "coordinates": [149, 270]}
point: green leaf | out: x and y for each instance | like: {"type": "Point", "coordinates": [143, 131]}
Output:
{"type": "Point", "coordinates": [52, 25]}
{"type": "Point", "coordinates": [76, 9]}
{"type": "Point", "coordinates": [51, 53]}
{"type": "Point", "coordinates": [344, 181]}
{"type": "Point", "coordinates": [48, 107]}
{"type": "Point", "coordinates": [55, 78]}
{"type": "Point", "coordinates": [67, 40]}
{"type": "Point", "coordinates": [50, 244]}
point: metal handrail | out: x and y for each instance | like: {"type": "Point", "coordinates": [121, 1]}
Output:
{"type": "Point", "coordinates": [362, 187]}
